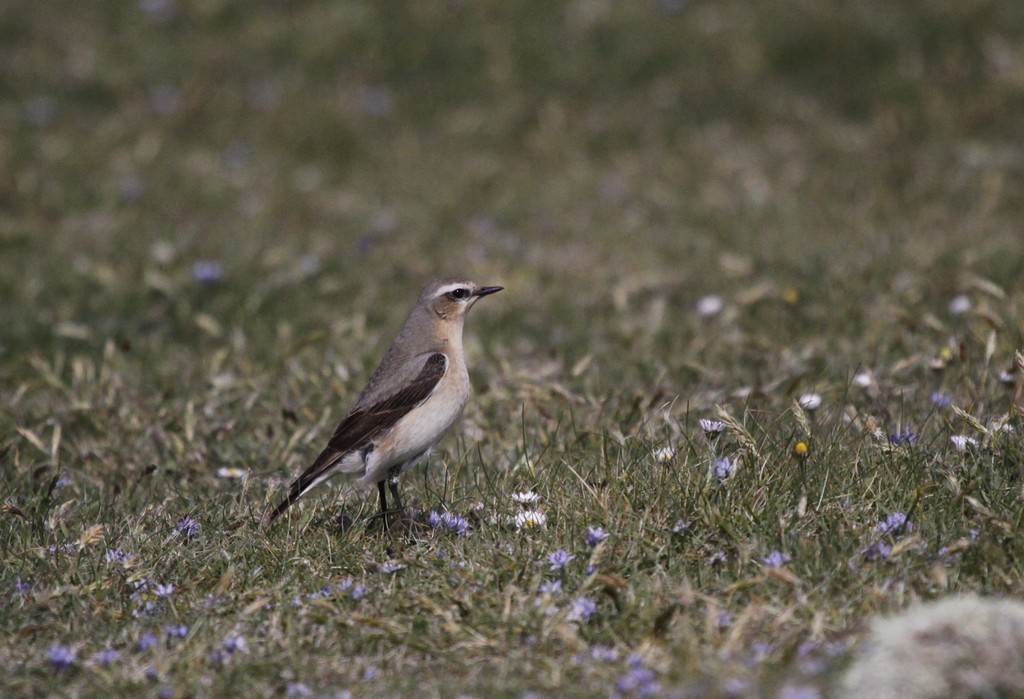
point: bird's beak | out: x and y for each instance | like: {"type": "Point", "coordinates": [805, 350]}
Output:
{"type": "Point", "coordinates": [485, 290]}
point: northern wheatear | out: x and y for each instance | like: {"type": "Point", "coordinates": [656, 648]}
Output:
{"type": "Point", "coordinates": [410, 402]}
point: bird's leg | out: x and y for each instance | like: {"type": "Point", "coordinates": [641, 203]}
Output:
{"type": "Point", "coordinates": [393, 486]}
{"type": "Point", "coordinates": [383, 504]}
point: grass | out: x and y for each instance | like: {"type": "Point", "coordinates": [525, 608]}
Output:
{"type": "Point", "coordinates": [214, 218]}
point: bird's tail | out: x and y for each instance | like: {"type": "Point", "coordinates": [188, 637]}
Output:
{"type": "Point", "coordinates": [271, 514]}
{"type": "Point", "coordinates": [321, 470]}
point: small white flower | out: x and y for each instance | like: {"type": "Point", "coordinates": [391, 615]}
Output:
{"type": "Point", "coordinates": [960, 304]}
{"type": "Point", "coordinates": [962, 441]}
{"type": "Point", "coordinates": [711, 428]}
{"type": "Point", "coordinates": [809, 401]}
{"type": "Point", "coordinates": [231, 472]}
{"type": "Point", "coordinates": [664, 454]}
{"type": "Point", "coordinates": [863, 379]}
{"type": "Point", "coordinates": [530, 519]}
{"type": "Point", "coordinates": [527, 498]}
{"type": "Point", "coordinates": [710, 306]}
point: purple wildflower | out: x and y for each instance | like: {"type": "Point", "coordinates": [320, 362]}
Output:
{"type": "Point", "coordinates": [147, 641]}
{"type": "Point", "coordinates": [680, 527]}
{"type": "Point", "coordinates": [207, 271]}
{"type": "Point", "coordinates": [187, 526]}
{"type": "Point", "coordinates": [905, 437]}
{"type": "Point", "coordinates": [640, 681]}
{"type": "Point", "coordinates": [449, 521]}
{"type": "Point", "coordinates": [723, 468]}
{"type": "Point", "coordinates": [945, 556]}
{"type": "Point", "coordinates": [359, 591]}
{"type": "Point", "coordinates": [22, 586]}
{"type": "Point", "coordinates": [712, 428]}
{"type": "Point", "coordinates": [604, 654]}
{"type": "Point", "coordinates": [61, 657]}
{"type": "Point", "coordinates": [211, 600]}
{"type": "Point", "coordinates": [176, 631]}
{"type": "Point", "coordinates": [105, 657]}
{"type": "Point", "coordinates": [116, 556]}
{"type": "Point", "coordinates": [559, 559]}
{"type": "Point", "coordinates": [799, 691]}
{"type": "Point", "coordinates": [550, 587]}
{"type": "Point", "coordinates": [298, 689]}
{"type": "Point", "coordinates": [775, 559]}
{"type": "Point", "coordinates": [582, 609]}
{"type": "Point", "coordinates": [895, 523]}
{"type": "Point", "coordinates": [324, 591]}
{"type": "Point", "coordinates": [940, 399]}
{"type": "Point", "coordinates": [455, 524]}
{"type": "Point", "coordinates": [595, 535]}
{"type": "Point", "coordinates": [878, 551]}
{"type": "Point", "coordinates": [233, 643]}
{"type": "Point", "coordinates": [162, 590]}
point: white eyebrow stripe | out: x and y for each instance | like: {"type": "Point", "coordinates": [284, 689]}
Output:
{"type": "Point", "coordinates": [448, 288]}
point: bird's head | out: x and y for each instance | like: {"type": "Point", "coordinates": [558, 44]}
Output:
{"type": "Point", "coordinates": [451, 298]}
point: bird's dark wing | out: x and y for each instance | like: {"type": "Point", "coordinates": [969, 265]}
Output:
{"type": "Point", "coordinates": [359, 427]}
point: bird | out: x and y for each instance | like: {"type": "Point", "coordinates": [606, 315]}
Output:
{"type": "Point", "coordinates": [410, 402]}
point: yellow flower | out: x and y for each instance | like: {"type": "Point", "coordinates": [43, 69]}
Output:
{"type": "Point", "coordinates": [800, 450]}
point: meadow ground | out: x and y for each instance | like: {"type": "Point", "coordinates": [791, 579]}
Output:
{"type": "Point", "coordinates": [214, 216]}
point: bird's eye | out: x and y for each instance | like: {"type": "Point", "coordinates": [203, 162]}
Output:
{"type": "Point", "coordinates": [459, 293]}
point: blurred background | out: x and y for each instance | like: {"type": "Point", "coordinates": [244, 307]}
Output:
{"type": "Point", "coordinates": [256, 172]}
{"type": "Point", "coordinates": [214, 216]}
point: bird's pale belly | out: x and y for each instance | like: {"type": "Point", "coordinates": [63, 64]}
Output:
{"type": "Point", "coordinates": [412, 436]}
